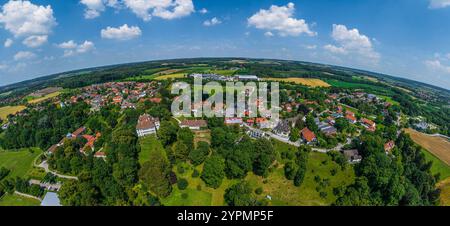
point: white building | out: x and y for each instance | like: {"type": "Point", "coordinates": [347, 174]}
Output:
{"type": "Point", "coordinates": [147, 125]}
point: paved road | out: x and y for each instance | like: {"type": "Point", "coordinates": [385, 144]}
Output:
{"type": "Point", "coordinates": [44, 166]}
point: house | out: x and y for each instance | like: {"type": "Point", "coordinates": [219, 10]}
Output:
{"type": "Point", "coordinates": [369, 124]}
{"type": "Point", "coordinates": [389, 146]}
{"type": "Point", "coordinates": [256, 133]}
{"type": "Point", "coordinates": [232, 121]}
{"type": "Point", "coordinates": [282, 129]}
{"type": "Point", "coordinates": [100, 154]}
{"type": "Point", "coordinates": [329, 130]}
{"type": "Point", "coordinates": [194, 124]}
{"type": "Point", "coordinates": [308, 136]}
{"type": "Point", "coordinates": [128, 105]}
{"type": "Point", "coordinates": [247, 78]}
{"type": "Point", "coordinates": [351, 118]}
{"type": "Point", "coordinates": [76, 133]}
{"type": "Point", "coordinates": [117, 99]}
{"type": "Point", "coordinates": [352, 156]}
{"type": "Point", "coordinates": [89, 146]}
{"type": "Point", "coordinates": [147, 125]}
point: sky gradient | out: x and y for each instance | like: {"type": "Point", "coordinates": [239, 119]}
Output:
{"type": "Point", "coordinates": [403, 38]}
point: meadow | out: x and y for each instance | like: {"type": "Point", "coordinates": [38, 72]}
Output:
{"type": "Point", "coordinates": [312, 82]}
{"type": "Point", "coordinates": [16, 200]}
{"type": "Point", "coordinates": [438, 146]}
{"type": "Point", "coordinates": [19, 162]}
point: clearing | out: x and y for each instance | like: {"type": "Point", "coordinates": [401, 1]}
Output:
{"type": "Point", "coordinates": [10, 110]}
{"type": "Point", "coordinates": [313, 82]}
{"type": "Point", "coordinates": [438, 146]}
{"type": "Point", "coordinates": [19, 162]}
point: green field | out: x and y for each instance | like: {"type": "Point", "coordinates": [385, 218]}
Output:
{"type": "Point", "coordinates": [19, 162]}
{"type": "Point", "coordinates": [16, 200]}
{"type": "Point", "coordinates": [40, 99]}
{"type": "Point", "coordinates": [149, 144]}
{"type": "Point", "coordinates": [438, 166]}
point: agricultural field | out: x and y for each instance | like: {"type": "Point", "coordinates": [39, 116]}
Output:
{"type": "Point", "coordinates": [312, 82]}
{"type": "Point", "coordinates": [438, 165]}
{"type": "Point", "coordinates": [5, 111]}
{"type": "Point", "coordinates": [445, 192]}
{"type": "Point", "coordinates": [171, 76]}
{"type": "Point", "coordinates": [16, 200]}
{"type": "Point", "coordinates": [40, 99]}
{"type": "Point", "coordinates": [19, 162]}
{"type": "Point", "coordinates": [438, 146]}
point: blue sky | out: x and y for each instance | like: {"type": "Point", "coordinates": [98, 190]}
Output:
{"type": "Point", "coordinates": [402, 38]}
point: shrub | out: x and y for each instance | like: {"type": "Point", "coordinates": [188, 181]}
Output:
{"type": "Point", "coordinates": [195, 174]}
{"type": "Point", "coordinates": [259, 191]}
{"type": "Point", "coordinates": [182, 184]}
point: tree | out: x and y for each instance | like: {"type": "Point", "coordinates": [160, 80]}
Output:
{"type": "Point", "coordinates": [182, 184]}
{"type": "Point", "coordinates": [213, 171]}
{"type": "Point", "coordinates": [238, 163]}
{"type": "Point", "coordinates": [186, 136]}
{"type": "Point", "coordinates": [290, 170]}
{"type": "Point", "coordinates": [294, 135]}
{"type": "Point", "coordinates": [240, 194]}
{"type": "Point", "coordinates": [264, 157]}
{"type": "Point", "coordinates": [167, 132]}
{"type": "Point", "coordinates": [199, 154]}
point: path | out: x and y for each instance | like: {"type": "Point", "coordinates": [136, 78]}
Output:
{"type": "Point", "coordinates": [27, 195]}
{"type": "Point", "coordinates": [44, 166]}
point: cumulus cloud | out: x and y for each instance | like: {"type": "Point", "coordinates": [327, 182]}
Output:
{"type": "Point", "coordinates": [24, 55]}
{"type": "Point", "coordinates": [95, 7]}
{"type": "Point", "coordinates": [71, 47]}
{"type": "Point", "coordinates": [25, 19]}
{"type": "Point", "coordinates": [35, 40]}
{"type": "Point", "coordinates": [281, 20]}
{"type": "Point", "coordinates": [203, 11]}
{"type": "Point", "coordinates": [352, 41]}
{"type": "Point", "coordinates": [121, 33]}
{"type": "Point", "coordinates": [439, 4]}
{"type": "Point", "coordinates": [310, 47]}
{"type": "Point", "coordinates": [436, 65]}
{"type": "Point", "coordinates": [8, 43]}
{"type": "Point", "coordinates": [268, 34]}
{"type": "Point", "coordinates": [212, 22]}
{"type": "Point", "coordinates": [166, 9]}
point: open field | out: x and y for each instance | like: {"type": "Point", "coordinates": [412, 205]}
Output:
{"type": "Point", "coordinates": [149, 145]}
{"type": "Point", "coordinates": [16, 200]}
{"type": "Point", "coordinates": [40, 99]}
{"type": "Point", "coordinates": [438, 165]}
{"type": "Point", "coordinates": [445, 192]}
{"type": "Point", "coordinates": [438, 146]}
{"type": "Point", "coordinates": [168, 72]}
{"type": "Point", "coordinates": [5, 111]}
{"type": "Point", "coordinates": [19, 162]}
{"type": "Point", "coordinates": [171, 76]}
{"type": "Point", "coordinates": [302, 81]}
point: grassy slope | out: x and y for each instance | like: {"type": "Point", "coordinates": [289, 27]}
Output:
{"type": "Point", "coordinates": [149, 144]}
{"type": "Point", "coordinates": [19, 162]}
{"type": "Point", "coordinates": [16, 200]}
{"type": "Point", "coordinates": [438, 166]}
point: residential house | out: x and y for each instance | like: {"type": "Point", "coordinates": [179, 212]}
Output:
{"type": "Point", "coordinates": [308, 136]}
{"type": "Point", "coordinates": [233, 121]}
{"type": "Point", "coordinates": [282, 129]}
{"type": "Point", "coordinates": [193, 124]}
{"type": "Point", "coordinates": [147, 125]}
{"type": "Point", "coordinates": [389, 146]}
{"type": "Point", "coordinates": [352, 156]}
{"type": "Point", "coordinates": [369, 124]}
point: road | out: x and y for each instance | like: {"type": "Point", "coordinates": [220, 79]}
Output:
{"type": "Point", "coordinates": [44, 166]}
{"type": "Point", "coordinates": [298, 143]}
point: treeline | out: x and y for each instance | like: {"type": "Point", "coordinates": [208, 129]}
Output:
{"type": "Point", "coordinates": [403, 178]}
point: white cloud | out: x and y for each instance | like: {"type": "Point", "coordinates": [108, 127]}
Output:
{"type": "Point", "coordinates": [35, 41]}
{"type": "Point", "coordinates": [335, 49]}
{"type": "Point", "coordinates": [95, 7]}
{"type": "Point", "coordinates": [268, 34]}
{"type": "Point", "coordinates": [280, 19]}
{"type": "Point", "coordinates": [3, 66]}
{"type": "Point", "coordinates": [212, 22]}
{"type": "Point", "coordinates": [166, 9]}
{"type": "Point", "coordinates": [436, 65]}
{"type": "Point", "coordinates": [24, 19]}
{"type": "Point", "coordinates": [71, 47]}
{"type": "Point", "coordinates": [439, 4]}
{"type": "Point", "coordinates": [24, 55]}
{"type": "Point", "coordinates": [8, 43]}
{"type": "Point", "coordinates": [311, 47]}
{"type": "Point", "coordinates": [351, 41]}
{"type": "Point", "coordinates": [203, 11]}
{"type": "Point", "coordinates": [121, 33]}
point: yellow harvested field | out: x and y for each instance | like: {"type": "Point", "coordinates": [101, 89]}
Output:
{"type": "Point", "coordinates": [444, 186]}
{"type": "Point", "coordinates": [5, 111]}
{"type": "Point", "coordinates": [313, 82]}
{"type": "Point", "coordinates": [168, 72]}
{"type": "Point", "coordinates": [438, 146]}
{"type": "Point", "coordinates": [164, 77]}
{"type": "Point", "coordinates": [48, 96]}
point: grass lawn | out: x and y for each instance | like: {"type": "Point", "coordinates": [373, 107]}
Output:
{"type": "Point", "coordinates": [7, 110]}
{"type": "Point", "coordinates": [16, 200]}
{"type": "Point", "coordinates": [284, 193]}
{"type": "Point", "coordinates": [19, 162]}
{"type": "Point", "coordinates": [438, 166]}
{"type": "Point", "coordinates": [149, 144]}
{"type": "Point", "coordinates": [40, 99]}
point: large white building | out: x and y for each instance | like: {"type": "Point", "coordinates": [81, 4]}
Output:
{"type": "Point", "coordinates": [147, 125]}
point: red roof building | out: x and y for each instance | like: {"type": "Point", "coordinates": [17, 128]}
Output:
{"type": "Point", "coordinates": [389, 146]}
{"type": "Point", "coordinates": [308, 135]}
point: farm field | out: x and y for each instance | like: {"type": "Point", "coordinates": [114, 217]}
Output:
{"type": "Point", "coordinates": [445, 192]}
{"type": "Point", "coordinates": [19, 162]}
{"type": "Point", "coordinates": [302, 81]}
{"type": "Point", "coordinates": [40, 99]}
{"type": "Point", "coordinates": [5, 111]}
{"type": "Point", "coordinates": [16, 200]}
{"type": "Point", "coordinates": [171, 76]}
{"type": "Point", "coordinates": [438, 146]}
